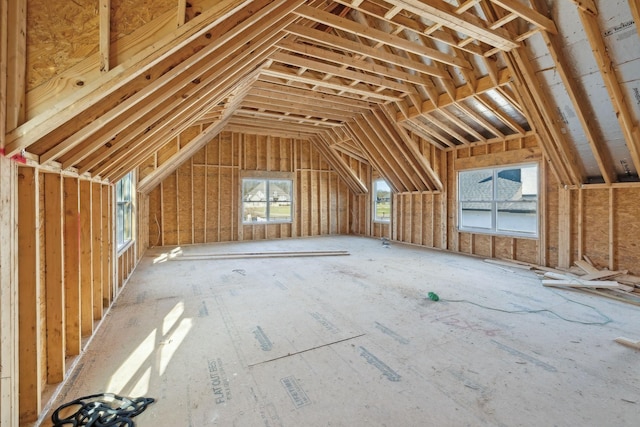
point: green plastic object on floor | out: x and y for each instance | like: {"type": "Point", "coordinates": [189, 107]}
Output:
{"type": "Point", "coordinates": [433, 296]}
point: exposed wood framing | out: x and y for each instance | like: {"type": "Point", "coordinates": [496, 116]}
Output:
{"type": "Point", "coordinates": [634, 5]}
{"type": "Point", "coordinates": [96, 251]}
{"type": "Point", "coordinates": [94, 92]}
{"type": "Point", "coordinates": [72, 266]}
{"type": "Point", "coordinates": [605, 64]}
{"type": "Point", "coordinates": [16, 62]}
{"type": "Point", "coordinates": [580, 105]}
{"type": "Point", "coordinates": [29, 294]}
{"type": "Point", "coordinates": [105, 35]}
{"type": "Point", "coordinates": [54, 279]}
{"type": "Point", "coordinates": [86, 260]}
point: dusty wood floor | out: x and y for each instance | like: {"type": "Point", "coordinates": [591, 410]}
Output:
{"type": "Point", "coordinates": [353, 341]}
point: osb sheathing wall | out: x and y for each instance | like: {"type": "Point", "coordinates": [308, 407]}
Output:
{"type": "Point", "coordinates": [65, 275]}
{"type": "Point", "coordinates": [200, 201]}
{"type": "Point", "coordinates": [597, 221]}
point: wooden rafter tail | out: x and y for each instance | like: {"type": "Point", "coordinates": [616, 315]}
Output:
{"type": "Point", "coordinates": [15, 60]}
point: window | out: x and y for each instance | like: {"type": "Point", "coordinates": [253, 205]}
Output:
{"type": "Point", "coordinates": [124, 210]}
{"type": "Point", "coordinates": [381, 201]}
{"type": "Point", "coordinates": [499, 200]}
{"type": "Point", "coordinates": [267, 200]}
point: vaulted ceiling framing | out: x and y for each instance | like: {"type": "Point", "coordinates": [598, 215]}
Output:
{"type": "Point", "coordinates": [357, 78]}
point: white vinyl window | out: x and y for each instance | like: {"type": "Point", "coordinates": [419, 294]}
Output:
{"type": "Point", "coordinates": [124, 210]}
{"type": "Point", "coordinates": [381, 201]}
{"type": "Point", "coordinates": [267, 200]}
{"type": "Point", "coordinates": [499, 200]}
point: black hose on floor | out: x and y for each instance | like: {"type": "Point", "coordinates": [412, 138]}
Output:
{"type": "Point", "coordinates": [100, 410]}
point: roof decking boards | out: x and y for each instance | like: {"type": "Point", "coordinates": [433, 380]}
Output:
{"type": "Point", "coordinates": [452, 72]}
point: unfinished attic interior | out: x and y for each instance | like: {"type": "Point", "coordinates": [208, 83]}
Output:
{"type": "Point", "coordinates": [382, 149]}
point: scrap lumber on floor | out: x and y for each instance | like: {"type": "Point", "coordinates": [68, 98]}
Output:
{"type": "Point", "coordinates": [629, 343]}
{"type": "Point", "coordinates": [584, 277]}
{"type": "Point", "coordinates": [267, 254]}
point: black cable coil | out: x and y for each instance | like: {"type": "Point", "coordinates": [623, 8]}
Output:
{"type": "Point", "coordinates": [101, 410]}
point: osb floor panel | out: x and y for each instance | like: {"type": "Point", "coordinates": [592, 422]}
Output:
{"type": "Point", "coordinates": [353, 341]}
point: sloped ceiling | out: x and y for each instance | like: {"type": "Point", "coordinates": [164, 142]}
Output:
{"type": "Point", "coordinates": [97, 88]}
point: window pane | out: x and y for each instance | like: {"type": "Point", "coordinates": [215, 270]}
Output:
{"type": "Point", "coordinates": [280, 211]}
{"type": "Point", "coordinates": [475, 185]}
{"type": "Point", "coordinates": [128, 218]}
{"type": "Point", "coordinates": [254, 211]}
{"type": "Point", "coordinates": [126, 187]}
{"type": "Point", "coordinates": [382, 194]}
{"type": "Point", "coordinates": [119, 224]}
{"type": "Point", "coordinates": [475, 215]}
{"type": "Point", "coordinates": [521, 217]}
{"type": "Point", "coordinates": [254, 190]}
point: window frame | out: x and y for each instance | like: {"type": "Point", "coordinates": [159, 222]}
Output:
{"type": "Point", "coordinates": [128, 204]}
{"type": "Point", "coordinates": [495, 201]}
{"type": "Point", "coordinates": [268, 179]}
{"type": "Point", "coordinates": [374, 200]}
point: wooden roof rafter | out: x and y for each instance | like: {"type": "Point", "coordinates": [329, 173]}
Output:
{"type": "Point", "coordinates": [94, 92]}
{"type": "Point", "coordinates": [630, 128]}
{"type": "Point", "coordinates": [579, 103]}
{"type": "Point", "coordinates": [200, 98]}
{"type": "Point", "coordinates": [562, 159]}
{"type": "Point", "coordinates": [184, 75]}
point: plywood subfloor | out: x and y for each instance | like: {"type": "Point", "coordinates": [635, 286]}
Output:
{"type": "Point", "coordinates": [353, 341]}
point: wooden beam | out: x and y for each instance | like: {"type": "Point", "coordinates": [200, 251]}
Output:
{"type": "Point", "coordinates": [415, 150]}
{"type": "Point", "coordinates": [86, 245]}
{"type": "Point", "coordinates": [344, 59]}
{"type": "Point", "coordinates": [16, 57]}
{"type": "Point", "coordinates": [323, 67]}
{"type": "Point", "coordinates": [107, 253]}
{"type": "Point", "coordinates": [589, 6]}
{"type": "Point", "coordinates": [4, 19]}
{"type": "Point", "coordinates": [528, 14]}
{"type": "Point", "coordinates": [483, 85]}
{"type": "Point", "coordinates": [339, 165]}
{"type": "Point", "coordinates": [96, 91]}
{"type": "Point", "coordinates": [465, 23]}
{"type": "Point", "coordinates": [611, 82]}
{"type": "Point", "coordinates": [96, 250]}
{"type": "Point", "coordinates": [29, 296]}
{"type": "Point", "coordinates": [289, 75]}
{"type": "Point", "coordinates": [579, 102]}
{"type": "Point", "coordinates": [105, 35]}
{"type": "Point", "coordinates": [72, 266]}
{"type": "Point", "coordinates": [384, 136]}
{"type": "Point", "coordinates": [182, 12]}
{"type": "Point", "coordinates": [543, 104]}
{"type": "Point", "coordinates": [564, 228]}
{"type": "Point", "coordinates": [634, 5]}
{"type": "Point", "coordinates": [179, 78]}
{"type": "Point", "coordinates": [353, 27]}
{"type": "Point", "coordinates": [361, 49]}
{"type": "Point", "coordinates": [54, 277]}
